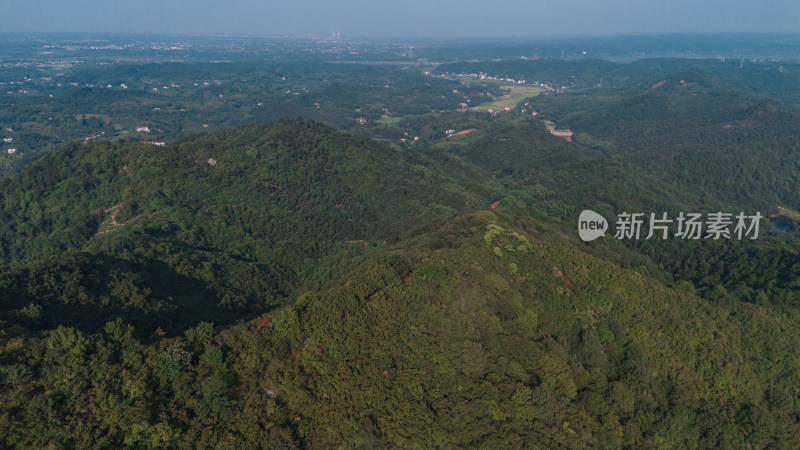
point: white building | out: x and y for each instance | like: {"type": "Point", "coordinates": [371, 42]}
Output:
{"type": "Point", "coordinates": [142, 129]}
{"type": "Point", "coordinates": [11, 151]}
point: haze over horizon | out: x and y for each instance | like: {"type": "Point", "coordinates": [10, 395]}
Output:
{"type": "Point", "coordinates": [412, 18]}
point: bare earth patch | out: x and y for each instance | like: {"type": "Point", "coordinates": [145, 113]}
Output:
{"type": "Point", "coordinates": [111, 222]}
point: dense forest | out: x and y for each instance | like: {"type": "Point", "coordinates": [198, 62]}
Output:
{"type": "Point", "coordinates": [481, 330]}
{"type": "Point", "coordinates": [163, 296]}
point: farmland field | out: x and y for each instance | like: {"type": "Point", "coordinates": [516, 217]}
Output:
{"type": "Point", "coordinates": [514, 95]}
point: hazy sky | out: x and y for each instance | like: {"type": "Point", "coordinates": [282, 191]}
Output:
{"type": "Point", "coordinates": [421, 18]}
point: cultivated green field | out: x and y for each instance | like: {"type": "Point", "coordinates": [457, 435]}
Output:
{"type": "Point", "coordinates": [394, 120]}
{"type": "Point", "coordinates": [515, 95]}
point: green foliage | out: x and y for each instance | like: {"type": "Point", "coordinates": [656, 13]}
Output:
{"type": "Point", "coordinates": [118, 330]}
{"type": "Point", "coordinates": [160, 435]}
{"type": "Point", "coordinates": [286, 324]}
{"type": "Point", "coordinates": [68, 340]}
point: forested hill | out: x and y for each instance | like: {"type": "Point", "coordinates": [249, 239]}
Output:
{"type": "Point", "coordinates": [695, 133]}
{"type": "Point", "coordinates": [292, 285]}
{"type": "Point", "coordinates": [688, 108]}
{"type": "Point", "coordinates": [229, 224]}
{"type": "Point", "coordinates": [218, 228]}
{"type": "Point", "coordinates": [285, 188]}
{"type": "Point", "coordinates": [482, 330]}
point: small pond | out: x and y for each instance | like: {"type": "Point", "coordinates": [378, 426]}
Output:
{"type": "Point", "coordinates": [782, 223]}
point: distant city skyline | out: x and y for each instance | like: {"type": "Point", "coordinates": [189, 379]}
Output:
{"type": "Point", "coordinates": [410, 18]}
